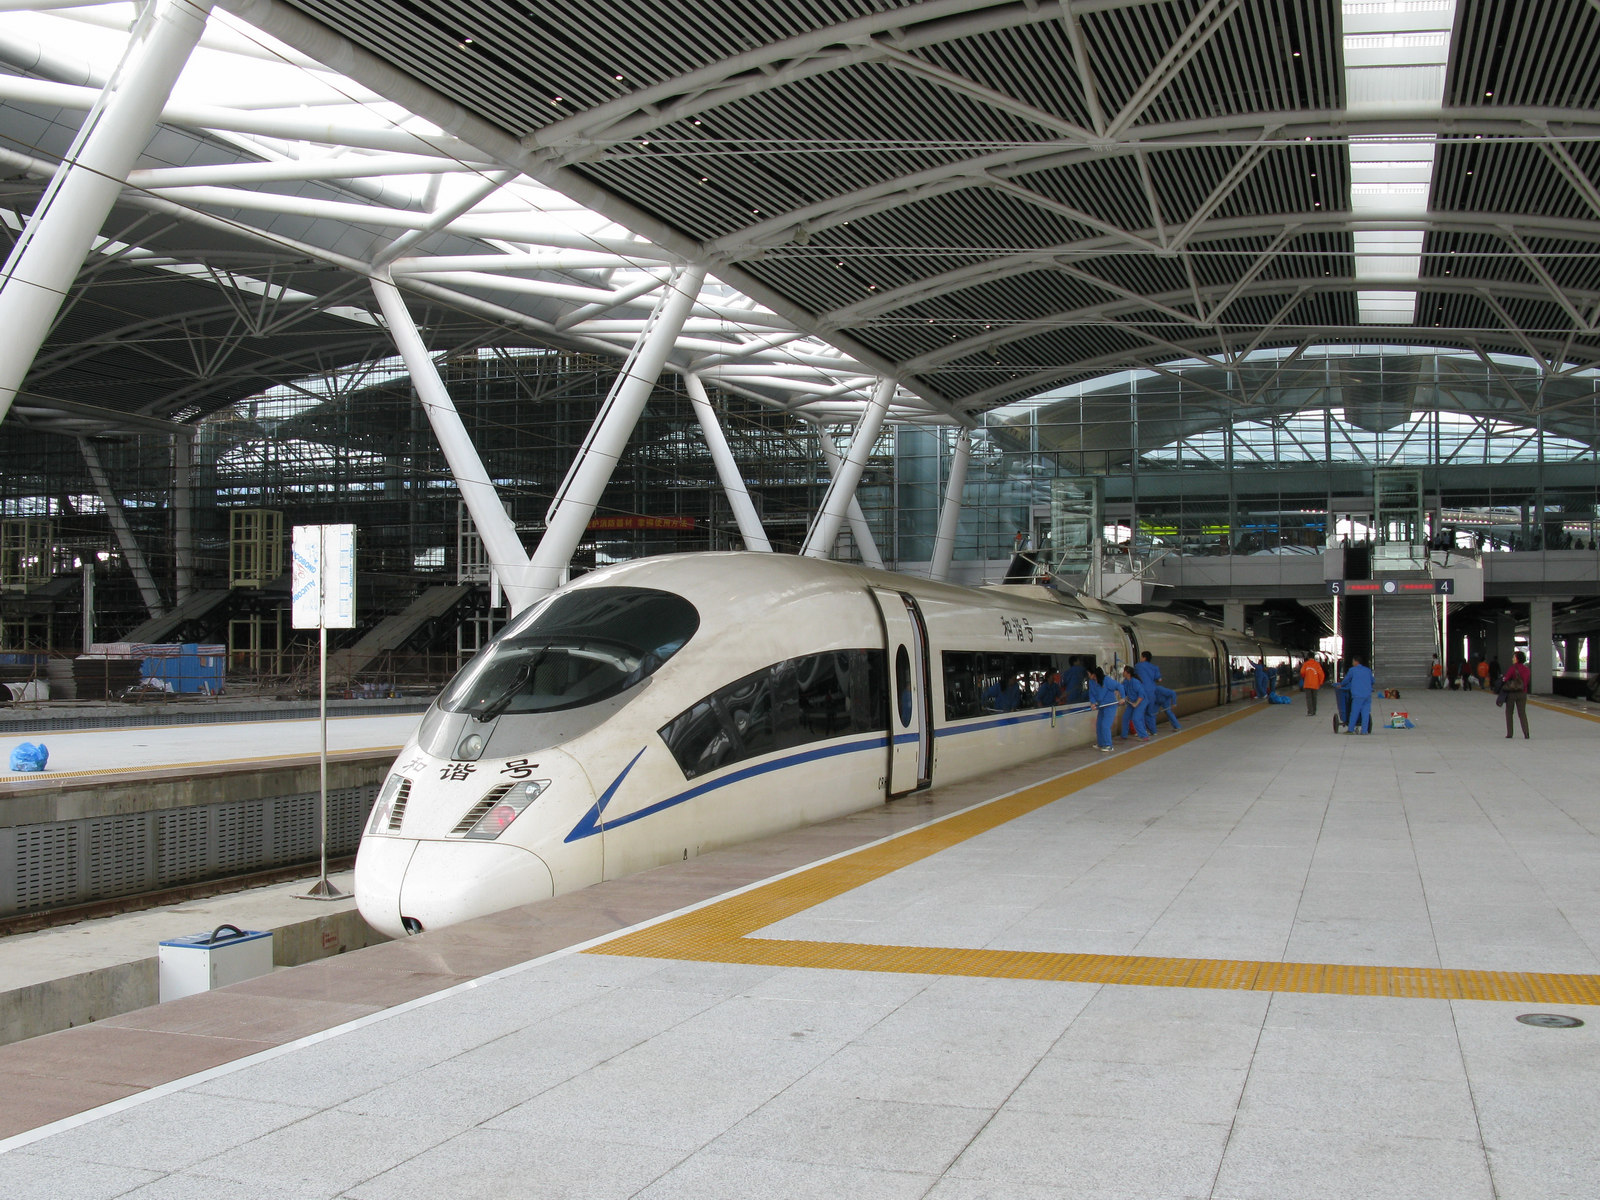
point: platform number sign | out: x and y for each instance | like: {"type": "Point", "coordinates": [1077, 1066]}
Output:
{"type": "Point", "coordinates": [322, 580]}
{"type": "Point", "coordinates": [1335, 587]}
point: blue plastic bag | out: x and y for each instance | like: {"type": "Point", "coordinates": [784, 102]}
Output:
{"type": "Point", "coordinates": [28, 757]}
{"type": "Point", "coordinates": [1278, 698]}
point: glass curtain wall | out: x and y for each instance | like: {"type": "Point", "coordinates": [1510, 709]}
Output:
{"type": "Point", "coordinates": [1276, 454]}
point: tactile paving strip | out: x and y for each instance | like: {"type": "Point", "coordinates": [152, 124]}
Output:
{"type": "Point", "coordinates": [723, 931]}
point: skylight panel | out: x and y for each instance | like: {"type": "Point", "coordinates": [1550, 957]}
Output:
{"type": "Point", "coordinates": [1395, 55]}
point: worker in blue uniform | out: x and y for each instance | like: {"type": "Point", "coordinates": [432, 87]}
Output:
{"type": "Point", "coordinates": [1136, 713]}
{"type": "Point", "coordinates": [1104, 696]}
{"type": "Point", "coordinates": [1051, 691]}
{"type": "Point", "coordinates": [1003, 695]}
{"type": "Point", "coordinates": [1359, 682]}
{"type": "Point", "coordinates": [1147, 670]}
{"type": "Point", "coordinates": [1149, 673]}
{"type": "Point", "coordinates": [1263, 679]}
{"type": "Point", "coordinates": [1075, 681]}
{"type": "Point", "coordinates": [1165, 700]}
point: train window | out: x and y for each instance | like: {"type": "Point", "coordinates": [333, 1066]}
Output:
{"type": "Point", "coordinates": [962, 673]}
{"type": "Point", "coordinates": [902, 685]}
{"type": "Point", "coordinates": [583, 646]}
{"type": "Point", "coordinates": [976, 683]}
{"type": "Point", "coordinates": [791, 703]}
{"type": "Point", "coordinates": [1075, 676]}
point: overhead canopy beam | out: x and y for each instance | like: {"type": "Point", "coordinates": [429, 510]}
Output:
{"type": "Point", "coordinates": [46, 257]}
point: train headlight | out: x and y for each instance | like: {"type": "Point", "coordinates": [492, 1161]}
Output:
{"type": "Point", "coordinates": [471, 748]}
{"type": "Point", "coordinates": [383, 806]}
{"type": "Point", "coordinates": [492, 816]}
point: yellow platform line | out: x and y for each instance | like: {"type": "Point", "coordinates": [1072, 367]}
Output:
{"type": "Point", "coordinates": [723, 930]}
{"type": "Point", "coordinates": [1564, 709]}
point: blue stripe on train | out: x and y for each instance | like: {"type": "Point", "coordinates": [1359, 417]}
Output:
{"type": "Point", "coordinates": [590, 825]}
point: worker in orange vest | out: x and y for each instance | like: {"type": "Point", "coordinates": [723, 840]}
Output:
{"type": "Point", "coordinates": [1312, 677]}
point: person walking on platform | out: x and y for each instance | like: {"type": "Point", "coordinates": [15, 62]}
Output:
{"type": "Point", "coordinates": [1514, 686]}
{"type": "Point", "coordinates": [1359, 681]}
{"type": "Point", "coordinates": [1436, 676]}
{"type": "Point", "coordinates": [1104, 696]}
{"type": "Point", "coordinates": [1483, 674]}
{"type": "Point", "coordinates": [1138, 708]}
{"type": "Point", "coordinates": [1311, 678]}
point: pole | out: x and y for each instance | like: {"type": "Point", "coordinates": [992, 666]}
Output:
{"type": "Point", "coordinates": [323, 889]}
{"type": "Point", "coordinates": [836, 504]}
{"type": "Point", "coordinates": [88, 603]}
{"type": "Point", "coordinates": [859, 529]}
{"type": "Point", "coordinates": [574, 505]}
{"type": "Point", "coordinates": [1338, 643]}
{"type": "Point", "coordinates": [322, 761]}
{"type": "Point", "coordinates": [744, 510]}
{"type": "Point", "coordinates": [944, 541]}
{"type": "Point", "coordinates": [131, 550]}
{"type": "Point", "coordinates": [182, 518]}
{"type": "Point", "coordinates": [1444, 636]}
{"type": "Point", "coordinates": [49, 252]}
{"type": "Point", "coordinates": [499, 533]}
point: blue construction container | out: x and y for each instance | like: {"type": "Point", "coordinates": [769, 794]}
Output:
{"type": "Point", "coordinates": [188, 668]}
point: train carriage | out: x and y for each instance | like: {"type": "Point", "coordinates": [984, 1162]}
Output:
{"type": "Point", "coordinates": [655, 710]}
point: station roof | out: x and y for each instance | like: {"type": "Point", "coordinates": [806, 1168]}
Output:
{"type": "Point", "coordinates": [988, 198]}
{"type": "Point", "coordinates": [994, 196]}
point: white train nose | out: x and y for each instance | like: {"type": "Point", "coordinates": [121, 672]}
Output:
{"type": "Point", "coordinates": [444, 883]}
{"type": "Point", "coordinates": [380, 867]}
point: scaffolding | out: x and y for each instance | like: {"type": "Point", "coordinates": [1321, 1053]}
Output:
{"type": "Point", "coordinates": [255, 547]}
{"type": "Point", "coordinates": [256, 643]}
{"type": "Point", "coordinates": [27, 548]}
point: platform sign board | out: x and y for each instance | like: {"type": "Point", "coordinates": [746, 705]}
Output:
{"type": "Point", "coordinates": [1390, 587]}
{"type": "Point", "coordinates": [322, 590]}
{"type": "Point", "coordinates": [322, 579]}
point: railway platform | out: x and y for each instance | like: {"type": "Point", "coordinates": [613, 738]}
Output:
{"type": "Point", "coordinates": [1255, 959]}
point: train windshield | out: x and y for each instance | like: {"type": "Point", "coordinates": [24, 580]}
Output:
{"type": "Point", "coordinates": [580, 648]}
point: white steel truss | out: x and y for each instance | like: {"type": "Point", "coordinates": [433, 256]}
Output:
{"type": "Point", "coordinates": [312, 162]}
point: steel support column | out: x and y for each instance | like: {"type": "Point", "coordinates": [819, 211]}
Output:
{"type": "Point", "coordinates": [825, 529]}
{"type": "Point", "coordinates": [50, 250]}
{"type": "Point", "coordinates": [944, 541]}
{"type": "Point", "coordinates": [859, 529]}
{"type": "Point", "coordinates": [501, 545]}
{"type": "Point", "coordinates": [1541, 651]}
{"type": "Point", "coordinates": [744, 510]}
{"type": "Point", "coordinates": [148, 592]}
{"type": "Point", "coordinates": [591, 470]}
{"type": "Point", "coordinates": [182, 518]}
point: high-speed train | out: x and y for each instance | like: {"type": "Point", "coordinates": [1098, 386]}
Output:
{"type": "Point", "coordinates": [655, 710]}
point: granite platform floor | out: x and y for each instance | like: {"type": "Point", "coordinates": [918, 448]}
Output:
{"type": "Point", "coordinates": [1231, 965]}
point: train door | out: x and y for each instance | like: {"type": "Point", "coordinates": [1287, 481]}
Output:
{"type": "Point", "coordinates": [910, 724]}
